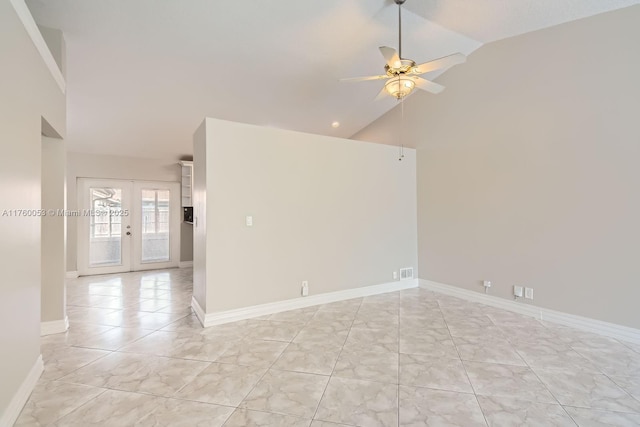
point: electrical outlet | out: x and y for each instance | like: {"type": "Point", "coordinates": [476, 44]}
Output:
{"type": "Point", "coordinates": [528, 293]}
{"type": "Point", "coordinates": [518, 291]}
{"type": "Point", "coordinates": [395, 275]}
{"type": "Point", "coordinates": [305, 288]}
{"type": "Point", "coordinates": [487, 285]}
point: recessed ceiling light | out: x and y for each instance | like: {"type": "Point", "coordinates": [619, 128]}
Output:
{"type": "Point", "coordinates": [335, 124]}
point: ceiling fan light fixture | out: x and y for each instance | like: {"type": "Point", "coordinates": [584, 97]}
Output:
{"type": "Point", "coordinates": [399, 86]}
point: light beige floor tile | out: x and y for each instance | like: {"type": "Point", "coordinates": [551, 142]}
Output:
{"type": "Point", "coordinates": [246, 418]}
{"type": "Point", "coordinates": [302, 315]}
{"type": "Point", "coordinates": [381, 366]}
{"type": "Point", "coordinates": [62, 361]}
{"type": "Point", "coordinates": [90, 315]}
{"type": "Point", "coordinates": [436, 343]}
{"type": "Point", "coordinates": [586, 389]}
{"type": "Point", "coordinates": [52, 400]}
{"type": "Point", "coordinates": [308, 357]}
{"type": "Point", "coordinates": [489, 379]}
{"type": "Point", "coordinates": [483, 349]}
{"type": "Point", "coordinates": [232, 331]}
{"type": "Point", "coordinates": [372, 339]}
{"type": "Point", "coordinates": [284, 392]}
{"type": "Point", "coordinates": [427, 407]}
{"type": "Point", "coordinates": [160, 376]}
{"type": "Point", "coordinates": [373, 321]}
{"type": "Point", "coordinates": [318, 423]}
{"type": "Point", "coordinates": [361, 403]}
{"type": "Point", "coordinates": [77, 334]}
{"type": "Point", "coordinates": [253, 353]}
{"type": "Point", "coordinates": [425, 371]}
{"type": "Point", "coordinates": [343, 306]}
{"type": "Point", "coordinates": [507, 412]}
{"type": "Point", "coordinates": [114, 338]}
{"type": "Point", "coordinates": [181, 344]}
{"type": "Point", "coordinates": [615, 359]}
{"type": "Point", "coordinates": [182, 413]}
{"type": "Point", "coordinates": [553, 355]}
{"type": "Point", "coordinates": [529, 334]}
{"type": "Point", "coordinates": [413, 325]}
{"type": "Point", "coordinates": [112, 409]}
{"type": "Point", "coordinates": [189, 322]}
{"type": "Point", "coordinates": [222, 384]}
{"type": "Point", "coordinates": [629, 384]}
{"type": "Point", "coordinates": [595, 418]}
{"type": "Point", "coordinates": [275, 331]}
{"type": "Point", "coordinates": [151, 305]}
{"type": "Point", "coordinates": [330, 334]}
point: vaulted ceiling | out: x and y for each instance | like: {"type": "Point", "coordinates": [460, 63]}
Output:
{"type": "Point", "coordinates": [142, 74]}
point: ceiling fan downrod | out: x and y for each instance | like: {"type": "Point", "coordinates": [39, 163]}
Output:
{"type": "Point", "coordinates": [399, 3]}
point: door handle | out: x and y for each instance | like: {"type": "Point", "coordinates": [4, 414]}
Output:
{"type": "Point", "coordinates": [128, 233]}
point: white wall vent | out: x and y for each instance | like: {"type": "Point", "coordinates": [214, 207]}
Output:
{"type": "Point", "coordinates": [406, 273]}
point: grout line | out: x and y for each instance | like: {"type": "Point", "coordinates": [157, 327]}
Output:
{"type": "Point", "coordinates": [104, 390]}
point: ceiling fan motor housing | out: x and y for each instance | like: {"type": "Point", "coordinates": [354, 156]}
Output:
{"type": "Point", "coordinates": [403, 66]}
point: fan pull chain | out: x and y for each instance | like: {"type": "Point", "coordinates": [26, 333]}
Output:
{"type": "Point", "coordinates": [401, 153]}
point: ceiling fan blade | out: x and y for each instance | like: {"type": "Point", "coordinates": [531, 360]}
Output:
{"type": "Point", "coordinates": [364, 79]}
{"type": "Point", "coordinates": [382, 94]}
{"type": "Point", "coordinates": [436, 64]}
{"type": "Point", "coordinates": [391, 56]}
{"type": "Point", "coordinates": [427, 85]}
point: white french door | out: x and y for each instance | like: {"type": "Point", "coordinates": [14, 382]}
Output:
{"type": "Point", "coordinates": [127, 225]}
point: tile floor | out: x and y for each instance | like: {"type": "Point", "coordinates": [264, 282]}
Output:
{"type": "Point", "coordinates": [136, 356]}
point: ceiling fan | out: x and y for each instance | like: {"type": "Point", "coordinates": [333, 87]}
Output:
{"type": "Point", "coordinates": [403, 74]}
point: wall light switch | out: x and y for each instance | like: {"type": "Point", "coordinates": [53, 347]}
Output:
{"type": "Point", "coordinates": [249, 221]}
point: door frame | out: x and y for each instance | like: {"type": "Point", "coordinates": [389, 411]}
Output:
{"type": "Point", "coordinates": [131, 199]}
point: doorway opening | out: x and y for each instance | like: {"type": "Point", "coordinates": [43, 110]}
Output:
{"type": "Point", "coordinates": [127, 225]}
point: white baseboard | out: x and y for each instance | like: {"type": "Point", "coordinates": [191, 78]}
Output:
{"type": "Point", "coordinates": [198, 310]}
{"type": "Point", "coordinates": [21, 396]}
{"type": "Point", "coordinates": [612, 330]}
{"type": "Point", "coordinates": [218, 318]}
{"type": "Point", "coordinates": [72, 275]}
{"type": "Point", "coordinates": [185, 264]}
{"type": "Point", "coordinates": [54, 326]}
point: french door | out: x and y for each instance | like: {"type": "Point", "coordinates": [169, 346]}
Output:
{"type": "Point", "coordinates": [127, 225]}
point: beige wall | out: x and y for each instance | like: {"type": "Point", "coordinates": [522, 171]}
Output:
{"type": "Point", "coordinates": [201, 163]}
{"type": "Point", "coordinates": [28, 93]}
{"type": "Point", "coordinates": [82, 165]}
{"type": "Point", "coordinates": [53, 229]}
{"type": "Point", "coordinates": [340, 214]}
{"type": "Point", "coordinates": [528, 168]}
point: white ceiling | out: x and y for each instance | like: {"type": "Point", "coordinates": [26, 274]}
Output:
{"type": "Point", "coordinates": [142, 74]}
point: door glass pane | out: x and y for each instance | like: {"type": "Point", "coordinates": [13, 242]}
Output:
{"type": "Point", "coordinates": [105, 219]}
{"type": "Point", "coordinates": [155, 226]}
